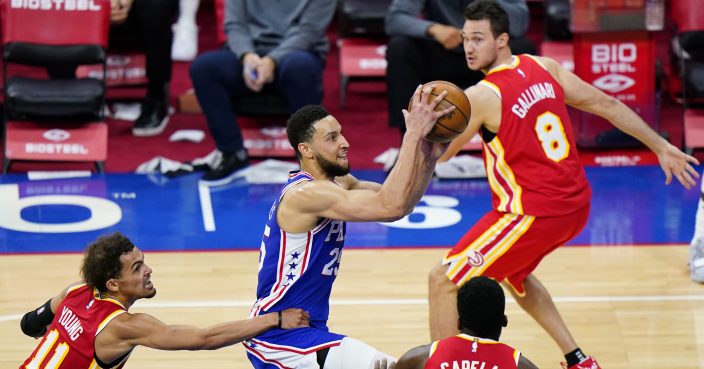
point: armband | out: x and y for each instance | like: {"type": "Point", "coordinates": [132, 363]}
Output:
{"type": "Point", "coordinates": [34, 323]}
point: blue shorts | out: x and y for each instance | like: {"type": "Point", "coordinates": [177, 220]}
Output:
{"type": "Point", "coordinates": [289, 348]}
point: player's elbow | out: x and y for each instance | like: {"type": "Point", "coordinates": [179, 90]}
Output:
{"type": "Point", "coordinates": [392, 213]}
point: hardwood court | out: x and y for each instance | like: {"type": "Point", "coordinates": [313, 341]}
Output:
{"type": "Point", "coordinates": [631, 307]}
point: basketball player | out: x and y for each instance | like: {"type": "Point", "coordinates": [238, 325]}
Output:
{"type": "Point", "coordinates": [480, 304]}
{"type": "Point", "coordinates": [303, 238]}
{"type": "Point", "coordinates": [541, 197]}
{"type": "Point", "coordinates": [89, 326]}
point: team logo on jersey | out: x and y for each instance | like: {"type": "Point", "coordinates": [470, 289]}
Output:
{"type": "Point", "coordinates": [90, 304]}
{"type": "Point", "coordinates": [521, 72]}
{"type": "Point", "coordinates": [475, 258]}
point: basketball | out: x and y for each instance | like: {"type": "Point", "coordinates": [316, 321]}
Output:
{"type": "Point", "coordinates": [453, 124]}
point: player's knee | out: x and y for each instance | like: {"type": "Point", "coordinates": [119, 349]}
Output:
{"type": "Point", "coordinates": [354, 354]}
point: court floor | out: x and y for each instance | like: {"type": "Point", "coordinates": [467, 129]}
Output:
{"type": "Point", "coordinates": [631, 307]}
{"type": "Point", "coordinates": [622, 285]}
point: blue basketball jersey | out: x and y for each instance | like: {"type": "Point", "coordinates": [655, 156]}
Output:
{"type": "Point", "coordinates": [297, 270]}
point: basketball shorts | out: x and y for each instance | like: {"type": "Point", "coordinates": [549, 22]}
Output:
{"type": "Point", "coordinates": [289, 348]}
{"type": "Point", "coordinates": [508, 247]}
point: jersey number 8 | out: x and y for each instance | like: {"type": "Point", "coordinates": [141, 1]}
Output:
{"type": "Point", "coordinates": [551, 134]}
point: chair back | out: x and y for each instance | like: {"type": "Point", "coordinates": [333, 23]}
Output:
{"type": "Point", "coordinates": [41, 32]}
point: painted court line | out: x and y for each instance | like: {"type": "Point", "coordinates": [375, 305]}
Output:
{"type": "Point", "coordinates": [206, 208]}
{"type": "Point", "coordinates": [395, 302]}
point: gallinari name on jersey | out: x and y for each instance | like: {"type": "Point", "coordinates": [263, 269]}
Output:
{"type": "Point", "coordinates": [532, 95]}
{"type": "Point", "coordinates": [466, 364]}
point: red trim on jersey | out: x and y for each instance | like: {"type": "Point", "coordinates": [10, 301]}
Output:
{"type": "Point", "coordinates": [273, 346]}
{"type": "Point", "coordinates": [262, 358]}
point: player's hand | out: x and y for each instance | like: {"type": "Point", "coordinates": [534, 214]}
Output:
{"type": "Point", "coordinates": [384, 364]}
{"type": "Point", "coordinates": [294, 318]}
{"type": "Point", "coordinates": [676, 163]}
{"type": "Point", "coordinates": [449, 37]}
{"type": "Point", "coordinates": [423, 116]}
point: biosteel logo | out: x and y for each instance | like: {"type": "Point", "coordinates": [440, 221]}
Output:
{"type": "Point", "coordinates": [56, 135]}
{"type": "Point", "coordinates": [614, 59]}
{"type": "Point", "coordinates": [614, 82]}
{"type": "Point", "coordinates": [68, 5]}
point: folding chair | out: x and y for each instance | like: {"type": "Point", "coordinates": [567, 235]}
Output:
{"type": "Point", "coordinates": [54, 119]}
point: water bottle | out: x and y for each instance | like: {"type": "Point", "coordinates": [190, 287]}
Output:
{"type": "Point", "coordinates": [654, 15]}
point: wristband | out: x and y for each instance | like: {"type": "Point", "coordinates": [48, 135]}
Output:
{"type": "Point", "coordinates": [280, 320]}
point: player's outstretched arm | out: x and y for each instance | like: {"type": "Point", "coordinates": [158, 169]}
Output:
{"type": "Point", "coordinates": [400, 192]}
{"type": "Point", "coordinates": [129, 330]}
{"type": "Point", "coordinates": [586, 97]}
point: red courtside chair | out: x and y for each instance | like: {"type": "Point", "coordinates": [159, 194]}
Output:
{"type": "Point", "coordinates": [362, 41]}
{"type": "Point", "coordinates": [54, 120]}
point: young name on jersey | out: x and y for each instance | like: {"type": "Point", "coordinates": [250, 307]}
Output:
{"type": "Point", "coordinates": [71, 323]}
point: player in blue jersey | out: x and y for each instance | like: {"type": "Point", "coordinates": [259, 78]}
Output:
{"type": "Point", "coordinates": [303, 238]}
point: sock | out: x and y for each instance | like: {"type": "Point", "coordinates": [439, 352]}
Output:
{"type": "Point", "coordinates": [575, 357]}
{"type": "Point", "coordinates": [187, 12]}
{"type": "Point", "coordinates": [699, 221]}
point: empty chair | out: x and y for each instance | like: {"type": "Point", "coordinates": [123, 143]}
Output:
{"type": "Point", "coordinates": [54, 119]}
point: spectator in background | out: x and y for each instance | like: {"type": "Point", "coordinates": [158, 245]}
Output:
{"type": "Point", "coordinates": [278, 46]}
{"type": "Point", "coordinates": [427, 48]}
{"type": "Point", "coordinates": [149, 23]}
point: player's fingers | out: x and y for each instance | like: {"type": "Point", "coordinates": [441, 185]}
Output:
{"type": "Point", "coordinates": [377, 363]}
{"type": "Point", "coordinates": [425, 93]}
{"type": "Point", "coordinates": [692, 159]}
{"type": "Point", "coordinates": [416, 94]}
{"type": "Point", "coordinates": [668, 177]}
{"type": "Point", "coordinates": [405, 113]}
{"type": "Point", "coordinates": [692, 171]}
{"type": "Point", "coordinates": [689, 180]}
{"type": "Point", "coordinates": [444, 112]}
{"type": "Point", "coordinates": [438, 98]}
{"type": "Point", "coordinates": [681, 179]}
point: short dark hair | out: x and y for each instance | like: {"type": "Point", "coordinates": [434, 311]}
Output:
{"type": "Point", "coordinates": [299, 127]}
{"type": "Point", "coordinates": [480, 304]}
{"type": "Point", "coordinates": [491, 11]}
{"type": "Point", "coordinates": [101, 259]}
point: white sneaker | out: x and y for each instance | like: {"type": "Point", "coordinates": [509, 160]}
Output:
{"type": "Point", "coordinates": [185, 45]}
{"type": "Point", "coordinates": [696, 260]}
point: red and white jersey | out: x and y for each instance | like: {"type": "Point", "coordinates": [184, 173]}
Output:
{"type": "Point", "coordinates": [532, 163]}
{"type": "Point", "coordinates": [68, 343]}
{"type": "Point", "coordinates": [467, 352]}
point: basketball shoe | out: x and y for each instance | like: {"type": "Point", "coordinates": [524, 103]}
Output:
{"type": "Point", "coordinates": [588, 363]}
{"type": "Point", "coordinates": [696, 260]}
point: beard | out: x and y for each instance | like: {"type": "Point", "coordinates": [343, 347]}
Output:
{"type": "Point", "coordinates": [330, 168]}
{"type": "Point", "coordinates": [152, 294]}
